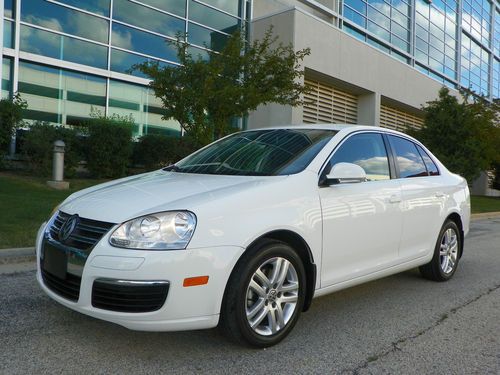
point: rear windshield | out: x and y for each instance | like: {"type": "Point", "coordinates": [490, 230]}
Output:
{"type": "Point", "coordinates": [258, 153]}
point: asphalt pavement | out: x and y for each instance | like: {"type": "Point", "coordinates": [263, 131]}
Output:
{"type": "Point", "coordinates": [401, 324]}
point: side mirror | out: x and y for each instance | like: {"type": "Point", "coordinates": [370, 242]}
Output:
{"type": "Point", "coordinates": [343, 173]}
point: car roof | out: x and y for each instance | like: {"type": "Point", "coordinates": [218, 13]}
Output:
{"type": "Point", "coordinates": [337, 127]}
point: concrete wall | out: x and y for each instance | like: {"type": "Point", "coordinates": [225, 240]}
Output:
{"type": "Point", "coordinates": [283, 23]}
{"type": "Point", "coordinates": [353, 65]}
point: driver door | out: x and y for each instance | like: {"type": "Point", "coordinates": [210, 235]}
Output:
{"type": "Point", "coordinates": [361, 221]}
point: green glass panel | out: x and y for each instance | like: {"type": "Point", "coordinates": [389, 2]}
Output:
{"type": "Point", "coordinates": [151, 129]}
{"type": "Point", "coordinates": [123, 104]}
{"type": "Point", "coordinates": [177, 7]}
{"type": "Point", "coordinates": [152, 109]}
{"type": "Point", "coordinates": [8, 34]}
{"type": "Point", "coordinates": [48, 92]}
{"type": "Point", "coordinates": [206, 38]}
{"type": "Point", "coordinates": [6, 77]}
{"type": "Point", "coordinates": [143, 42]}
{"type": "Point", "coordinates": [60, 18]}
{"type": "Point", "coordinates": [212, 18]}
{"type": "Point", "coordinates": [8, 8]}
{"type": "Point", "coordinates": [62, 47]}
{"type": "Point", "coordinates": [95, 6]}
{"type": "Point", "coordinates": [138, 101]}
{"type": "Point", "coordinates": [30, 114]}
{"type": "Point", "coordinates": [60, 95]}
{"type": "Point", "coordinates": [86, 98]}
{"type": "Point", "coordinates": [147, 18]}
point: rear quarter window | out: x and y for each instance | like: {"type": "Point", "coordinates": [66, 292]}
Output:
{"type": "Point", "coordinates": [429, 163]}
{"type": "Point", "coordinates": [408, 159]}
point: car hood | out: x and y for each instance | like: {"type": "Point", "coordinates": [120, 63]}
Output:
{"type": "Point", "coordinates": [121, 200]}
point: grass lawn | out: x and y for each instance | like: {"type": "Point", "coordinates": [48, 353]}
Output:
{"type": "Point", "coordinates": [25, 203]}
{"type": "Point", "coordinates": [484, 204]}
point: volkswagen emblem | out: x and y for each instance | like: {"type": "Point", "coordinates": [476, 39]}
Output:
{"type": "Point", "coordinates": [68, 227]}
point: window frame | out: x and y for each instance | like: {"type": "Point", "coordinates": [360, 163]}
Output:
{"type": "Point", "coordinates": [394, 157]}
{"type": "Point", "coordinates": [419, 147]}
{"type": "Point", "coordinates": [326, 167]}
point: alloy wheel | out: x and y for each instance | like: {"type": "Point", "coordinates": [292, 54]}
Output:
{"type": "Point", "coordinates": [448, 252]}
{"type": "Point", "coordinates": [272, 296]}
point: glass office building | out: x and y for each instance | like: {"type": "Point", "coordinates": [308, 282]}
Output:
{"type": "Point", "coordinates": [68, 58]}
{"type": "Point", "coordinates": [456, 42]}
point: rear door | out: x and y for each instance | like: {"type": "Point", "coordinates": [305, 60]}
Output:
{"type": "Point", "coordinates": [361, 221]}
{"type": "Point", "coordinates": [423, 198]}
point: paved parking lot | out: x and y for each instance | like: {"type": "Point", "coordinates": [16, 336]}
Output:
{"type": "Point", "coordinates": [400, 324]}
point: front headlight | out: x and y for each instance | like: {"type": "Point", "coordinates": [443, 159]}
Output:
{"type": "Point", "coordinates": [161, 231]}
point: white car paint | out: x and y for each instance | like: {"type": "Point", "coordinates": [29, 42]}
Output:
{"type": "Point", "coordinates": [355, 232]}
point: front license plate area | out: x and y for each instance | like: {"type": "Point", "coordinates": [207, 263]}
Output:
{"type": "Point", "coordinates": [55, 262]}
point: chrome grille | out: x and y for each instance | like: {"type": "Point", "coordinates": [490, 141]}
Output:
{"type": "Point", "coordinates": [86, 233]}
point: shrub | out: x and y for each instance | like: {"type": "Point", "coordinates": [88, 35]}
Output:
{"type": "Point", "coordinates": [10, 118]}
{"type": "Point", "coordinates": [155, 150]}
{"type": "Point", "coordinates": [109, 145]}
{"type": "Point", "coordinates": [38, 144]}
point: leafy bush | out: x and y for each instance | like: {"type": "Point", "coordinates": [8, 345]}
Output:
{"type": "Point", "coordinates": [38, 144]}
{"type": "Point", "coordinates": [155, 150]}
{"type": "Point", "coordinates": [10, 118]}
{"type": "Point", "coordinates": [109, 145]}
{"type": "Point", "coordinates": [464, 134]}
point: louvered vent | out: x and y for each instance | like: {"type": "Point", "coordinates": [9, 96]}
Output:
{"type": "Point", "coordinates": [396, 119]}
{"type": "Point", "coordinates": [327, 104]}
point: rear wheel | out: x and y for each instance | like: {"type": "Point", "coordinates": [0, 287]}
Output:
{"type": "Point", "coordinates": [444, 263]}
{"type": "Point", "coordinates": [265, 295]}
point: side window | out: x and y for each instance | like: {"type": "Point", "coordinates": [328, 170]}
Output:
{"type": "Point", "coordinates": [408, 159]}
{"type": "Point", "coordinates": [368, 151]}
{"type": "Point", "coordinates": [431, 166]}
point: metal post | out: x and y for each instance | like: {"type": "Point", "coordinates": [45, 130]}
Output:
{"type": "Point", "coordinates": [58, 167]}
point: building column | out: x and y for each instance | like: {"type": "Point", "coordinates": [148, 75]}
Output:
{"type": "Point", "coordinates": [369, 109]}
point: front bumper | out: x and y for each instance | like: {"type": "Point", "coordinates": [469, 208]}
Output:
{"type": "Point", "coordinates": [185, 308]}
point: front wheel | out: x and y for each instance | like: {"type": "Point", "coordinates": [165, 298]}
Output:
{"type": "Point", "coordinates": [444, 263]}
{"type": "Point", "coordinates": [265, 295]}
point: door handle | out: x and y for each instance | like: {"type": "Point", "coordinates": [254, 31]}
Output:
{"type": "Point", "coordinates": [439, 194]}
{"type": "Point", "coordinates": [394, 199]}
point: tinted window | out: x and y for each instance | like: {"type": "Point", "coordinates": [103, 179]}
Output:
{"type": "Point", "coordinates": [60, 18]}
{"type": "Point", "coordinates": [407, 158]}
{"type": "Point", "coordinates": [143, 42]}
{"type": "Point", "coordinates": [258, 153]}
{"type": "Point", "coordinates": [212, 18]}
{"type": "Point", "coordinates": [431, 167]}
{"type": "Point", "coordinates": [147, 18]}
{"type": "Point", "coordinates": [368, 151]}
{"type": "Point", "coordinates": [96, 6]}
{"type": "Point", "coordinates": [63, 47]}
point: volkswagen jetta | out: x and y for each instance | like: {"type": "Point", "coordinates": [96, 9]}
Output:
{"type": "Point", "coordinates": [246, 231]}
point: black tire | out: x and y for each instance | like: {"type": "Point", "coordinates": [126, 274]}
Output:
{"type": "Point", "coordinates": [234, 322]}
{"type": "Point", "coordinates": [434, 269]}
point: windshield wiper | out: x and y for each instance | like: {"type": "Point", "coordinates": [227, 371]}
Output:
{"type": "Point", "coordinates": [172, 168]}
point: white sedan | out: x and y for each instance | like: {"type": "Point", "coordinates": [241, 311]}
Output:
{"type": "Point", "coordinates": [246, 231]}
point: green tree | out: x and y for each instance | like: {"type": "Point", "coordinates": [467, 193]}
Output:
{"type": "Point", "coordinates": [10, 118]}
{"type": "Point", "coordinates": [463, 134]}
{"type": "Point", "coordinates": [205, 95]}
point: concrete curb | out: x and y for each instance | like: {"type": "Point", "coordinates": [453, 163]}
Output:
{"type": "Point", "coordinates": [27, 254]}
{"type": "Point", "coordinates": [486, 215]}
{"type": "Point", "coordinates": [19, 255]}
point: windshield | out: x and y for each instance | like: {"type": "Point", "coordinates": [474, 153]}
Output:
{"type": "Point", "coordinates": [258, 153]}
